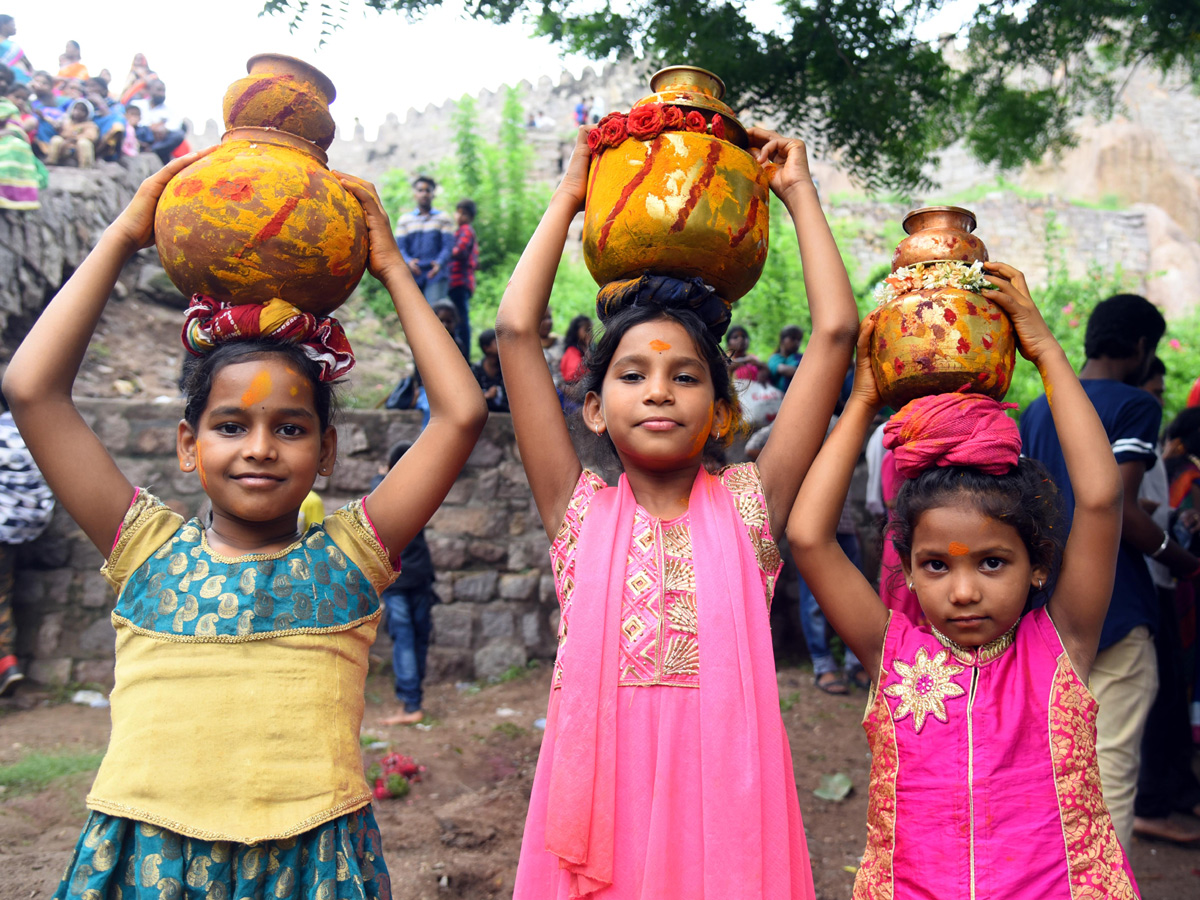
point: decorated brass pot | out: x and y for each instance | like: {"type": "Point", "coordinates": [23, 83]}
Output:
{"type": "Point", "coordinates": [284, 93]}
{"type": "Point", "coordinates": [939, 233]}
{"type": "Point", "coordinates": [262, 217]}
{"type": "Point", "coordinates": [938, 341]}
{"type": "Point", "coordinates": [684, 203]}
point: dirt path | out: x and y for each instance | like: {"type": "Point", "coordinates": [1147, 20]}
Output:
{"type": "Point", "coordinates": [458, 833]}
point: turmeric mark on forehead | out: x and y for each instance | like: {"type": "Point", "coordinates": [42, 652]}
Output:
{"type": "Point", "coordinates": [957, 549]}
{"type": "Point", "coordinates": [259, 390]}
{"type": "Point", "coordinates": [659, 346]}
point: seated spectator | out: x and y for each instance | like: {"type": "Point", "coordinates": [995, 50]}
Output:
{"type": "Point", "coordinates": [45, 105]}
{"type": "Point", "coordinates": [70, 65]}
{"type": "Point", "coordinates": [741, 364]}
{"type": "Point", "coordinates": [130, 145]}
{"type": "Point", "coordinates": [19, 95]}
{"type": "Point", "coordinates": [575, 344]}
{"type": "Point", "coordinates": [109, 117]}
{"type": "Point", "coordinates": [786, 358]}
{"type": "Point", "coordinates": [166, 128]}
{"type": "Point", "coordinates": [11, 55]}
{"type": "Point", "coordinates": [76, 139]}
{"type": "Point", "coordinates": [487, 373]}
{"type": "Point", "coordinates": [22, 174]}
{"type": "Point", "coordinates": [137, 81]}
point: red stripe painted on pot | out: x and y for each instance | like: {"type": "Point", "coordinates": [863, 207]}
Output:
{"type": "Point", "coordinates": [710, 169]}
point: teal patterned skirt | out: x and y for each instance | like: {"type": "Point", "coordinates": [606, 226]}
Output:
{"type": "Point", "coordinates": [122, 859]}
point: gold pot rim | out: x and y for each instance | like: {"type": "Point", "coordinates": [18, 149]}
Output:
{"type": "Point", "coordinates": [259, 135]}
{"type": "Point", "coordinates": [957, 210]}
{"type": "Point", "coordinates": [657, 78]}
{"type": "Point", "coordinates": [319, 78]}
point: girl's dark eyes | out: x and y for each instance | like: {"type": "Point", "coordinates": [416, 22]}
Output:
{"type": "Point", "coordinates": [291, 430]}
{"type": "Point", "coordinates": [229, 428]}
{"type": "Point", "coordinates": [934, 565]}
{"type": "Point", "coordinates": [992, 564]}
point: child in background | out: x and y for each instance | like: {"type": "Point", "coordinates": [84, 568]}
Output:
{"type": "Point", "coordinates": [575, 344]}
{"type": "Point", "coordinates": [130, 144]}
{"type": "Point", "coordinates": [77, 137]}
{"type": "Point", "coordinates": [665, 770]}
{"type": "Point", "coordinates": [233, 769]}
{"type": "Point", "coordinates": [488, 375]}
{"type": "Point", "coordinates": [408, 601]}
{"type": "Point", "coordinates": [464, 260]}
{"type": "Point", "coordinates": [984, 781]}
{"type": "Point", "coordinates": [783, 362]}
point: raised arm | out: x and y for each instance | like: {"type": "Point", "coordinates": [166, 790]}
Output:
{"type": "Point", "coordinates": [551, 463]}
{"type": "Point", "coordinates": [412, 491]}
{"type": "Point", "coordinates": [37, 385]}
{"type": "Point", "coordinates": [1085, 582]}
{"type": "Point", "coordinates": [844, 595]}
{"type": "Point", "coordinates": [810, 399]}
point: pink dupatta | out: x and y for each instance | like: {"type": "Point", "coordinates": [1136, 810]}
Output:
{"type": "Point", "coordinates": [745, 764]}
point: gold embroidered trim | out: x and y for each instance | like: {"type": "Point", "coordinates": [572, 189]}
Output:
{"type": "Point", "coordinates": [622, 682]}
{"type": "Point", "coordinates": [132, 812]}
{"type": "Point", "coordinates": [356, 513]}
{"type": "Point", "coordinates": [925, 686]}
{"type": "Point", "coordinates": [682, 657]}
{"type": "Point", "coordinates": [683, 615]}
{"type": "Point", "coordinates": [249, 557]}
{"type": "Point", "coordinates": [119, 621]}
{"type": "Point", "coordinates": [977, 656]}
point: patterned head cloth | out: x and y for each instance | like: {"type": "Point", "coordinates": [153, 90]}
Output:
{"type": "Point", "coordinates": [953, 430]}
{"type": "Point", "coordinates": [668, 293]}
{"type": "Point", "coordinates": [210, 322]}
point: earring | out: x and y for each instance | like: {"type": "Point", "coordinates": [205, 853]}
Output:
{"type": "Point", "coordinates": [1041, 581]}
{"type": "Point", "coordinates": [187, 467]}
{"type": "Point", "coordinates": [910, 585]}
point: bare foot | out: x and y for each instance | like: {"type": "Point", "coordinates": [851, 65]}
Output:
{"type": "Point", "coordinates": [404, 718]}
{"type": "Point", "coordinates": [1167, 830]}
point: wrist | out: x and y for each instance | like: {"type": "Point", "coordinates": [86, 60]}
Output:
{"type": "Point", "coordinates": [119, 240]}
{"type": "Point", "coordinates": [1162, 547]}
{"type": "Point", "coordinates": [798, 193]}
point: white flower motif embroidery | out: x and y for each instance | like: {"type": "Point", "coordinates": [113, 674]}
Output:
{"type": "Point", "coordinates": [925, 687]}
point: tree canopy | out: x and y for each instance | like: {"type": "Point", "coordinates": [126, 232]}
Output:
{"type": "Point", "coordinates": [854, 79]}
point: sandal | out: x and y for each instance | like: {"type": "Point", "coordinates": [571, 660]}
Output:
{"type": "Point", "coordinates": [831, 683]}
{"type": "Point", "coordinates": [860, 679]}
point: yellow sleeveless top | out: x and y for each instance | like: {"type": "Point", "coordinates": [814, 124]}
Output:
{"type": "Point", "coordinates": [239, 681]}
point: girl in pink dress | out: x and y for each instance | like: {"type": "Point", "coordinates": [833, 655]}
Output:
{"type": "Point", "coordinates": [984, 781]}
{"type": "Point", "coordinates": [665, 770]}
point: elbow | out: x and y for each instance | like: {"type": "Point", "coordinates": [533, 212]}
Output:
{"type": "Point", "coordinates": [20, 391]}
{"type": "Point", "coordinates": [509, 328]}
{"type": "Point", "coordinates": [841, 334]}
{"type": "Point", "coordinates": [801, 538]}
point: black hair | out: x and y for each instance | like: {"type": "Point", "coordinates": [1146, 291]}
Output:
{"type": "Point", "coordinates": [445, 306]}
{"type": "Point", "coordinates": [426, 180]}
{"type": "Point", "coordinates": [398, 450]}
{"type": "Point", "coordinates": [98, 82]}
{"type": "Point", "coordinates": [600, 356]}
{"type": "Point", "coordinates": [1118, 323]}
{"type": "Point", "coordinates": [1157, 367]}
{"type": "Point", "coordinates": [571, 338]}
{"type": "Point", "coordinates": [487, 336]}
{"type": "Point", "coordinates": [1025, 498]}
{"type": "Point", "coordinates": [74, 44]}
{"type": "Point", "coordinates": [467, 206]}
{"type": "Point", "coordinates": [6, 20]}
{"type": "Point", "coordinates": [791, 331]}
{"type": "Point", "coordinates": [199, 372]}
{"type": "Point", "coordinates": [7, 76]}
{"type": "Point", "coordinates": [736, 329]}
{"type": "Point", "coordinates": [1185, 427]}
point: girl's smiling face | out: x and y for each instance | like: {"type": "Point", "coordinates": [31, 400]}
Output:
{"type": "Point", "coordinates": [260, 445]}
{"type": "Point", "coordinates": [657, 400]}
{"type": "Point", "coordinates": [971, 573]}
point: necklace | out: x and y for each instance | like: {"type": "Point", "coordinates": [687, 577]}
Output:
{"type": "Point", "coordinates": [973, 656]}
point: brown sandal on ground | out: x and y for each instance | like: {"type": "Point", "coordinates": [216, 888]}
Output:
{"type": "Point", "coordinates": [832, 683]}
{"type": "Point", "coordinates": [1167, 830]}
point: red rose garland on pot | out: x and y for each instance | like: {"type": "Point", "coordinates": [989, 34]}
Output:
{"type": "Point", "coordinates": [646, 122]}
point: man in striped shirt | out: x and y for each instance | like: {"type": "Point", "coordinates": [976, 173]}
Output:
{"type": "Point", "coordinates": [1122, 335]}
{"type": "Point", "coordinates": [425, 237]}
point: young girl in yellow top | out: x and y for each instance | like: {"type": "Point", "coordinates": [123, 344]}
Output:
{"type": "Point", "coordinates": [233, 770]}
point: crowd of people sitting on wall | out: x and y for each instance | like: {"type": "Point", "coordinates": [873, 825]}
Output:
{"type": "Point", "coordinates": [71, 117]}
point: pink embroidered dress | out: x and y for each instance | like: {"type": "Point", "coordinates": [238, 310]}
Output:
{"type": "Point", "coordinates": [984, 784]}
{"type": "Point", "coordinates": [681, 786]}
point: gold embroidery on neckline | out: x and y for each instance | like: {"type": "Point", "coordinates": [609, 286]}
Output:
{"type": "Point", "coordinates": [974, 656]}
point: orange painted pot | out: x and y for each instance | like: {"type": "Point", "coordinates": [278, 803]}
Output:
{"type": "Point", "coordinates": [262, 217]}
{"type": "Point", "coordinates": [938, 341]}
{"type": "Point", "coordinates": [683, 204]}
{"type": "Point", "coordinates": [284, 93]}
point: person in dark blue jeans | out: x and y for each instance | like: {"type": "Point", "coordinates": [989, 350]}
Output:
{"type": "Point", "coordinates": [409, 602]}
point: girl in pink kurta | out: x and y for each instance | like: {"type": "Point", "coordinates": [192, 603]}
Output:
{"type": "Point", "coordinates": [665, 770]}
{"type": "Point", "coordinates": [984, 783]}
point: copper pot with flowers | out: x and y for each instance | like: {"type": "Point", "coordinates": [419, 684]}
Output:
{"type": "Point", "coordinates": [935, 331]}
{"type": "Point", "coordinates": [672, 189]}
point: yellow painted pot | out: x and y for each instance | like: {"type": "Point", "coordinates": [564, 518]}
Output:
{"type": "Point", "coordinates": [683, 204]}
{"type": "Point", "coordinates": [939, 341]}
{"type": "Point", "coordinates": [284, 93]}
{"type": "Point", "coordinates": [262, 217]}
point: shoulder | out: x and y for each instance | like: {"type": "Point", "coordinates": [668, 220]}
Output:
{"type": "Point", "coordinates": [148, 524]}
{"type": "Point", "coordinates": [352, 530]}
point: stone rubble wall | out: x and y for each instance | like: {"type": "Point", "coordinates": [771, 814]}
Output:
{"type": "Point", "coordinates": [490, 552]}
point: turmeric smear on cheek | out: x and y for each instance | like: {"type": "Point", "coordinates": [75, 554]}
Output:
{"type": "Point", "coordinates": [259, 390]}
{"type": "Point", "coordinates": [659, 346]}
{"type": "Point", "coordinates": [957, 549]}
{"type": "Point", "coordinates": [200, 468]}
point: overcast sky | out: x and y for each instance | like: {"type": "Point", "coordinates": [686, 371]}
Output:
{"type": "Point", "coordinates": [379, 63]}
